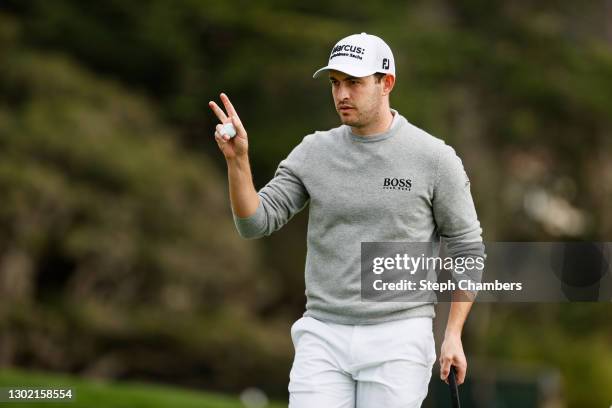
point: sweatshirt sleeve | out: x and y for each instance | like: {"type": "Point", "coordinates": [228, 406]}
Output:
{"type": "Point", "coordinates": [454, 211]}
{"type": "Point", "coordinates": [279, 200]}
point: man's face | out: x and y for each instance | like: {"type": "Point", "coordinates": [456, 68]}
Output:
{"type": "Point", "coordinates": [358, 101]}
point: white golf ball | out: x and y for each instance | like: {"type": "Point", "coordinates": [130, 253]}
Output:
{"type": "Point", "coordinates": [228, 129]}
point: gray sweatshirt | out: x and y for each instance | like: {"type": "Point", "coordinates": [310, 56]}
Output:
{"type": "Point", "coordinates": [347, 180]}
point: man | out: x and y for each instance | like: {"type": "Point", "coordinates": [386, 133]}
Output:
{"type": "Point", "coordinates": [351, 353]}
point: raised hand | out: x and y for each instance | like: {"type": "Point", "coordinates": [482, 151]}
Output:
{"type": "Point", "coordinates": [230, 147]}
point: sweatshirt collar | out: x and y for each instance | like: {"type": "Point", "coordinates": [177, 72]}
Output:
{"type": "Point", "coordinates": [378, 136]}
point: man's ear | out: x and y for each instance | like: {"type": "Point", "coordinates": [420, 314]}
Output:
{"type": "Point", "coordinates": [388, 84]}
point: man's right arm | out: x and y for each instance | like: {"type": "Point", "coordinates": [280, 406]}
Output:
{"type": "Point", "coordinates": [258, 214]}
{"type": "Point", "coordinates": [243, 197]}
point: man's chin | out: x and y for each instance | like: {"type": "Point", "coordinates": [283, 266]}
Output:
{"type": "Point", "coordinates": [349, 122]}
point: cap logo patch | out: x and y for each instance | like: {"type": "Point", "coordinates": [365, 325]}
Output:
{"type": "Point", "coordinates": [347, 50]}
{"type": "Point", "coordinates": [385, 64]}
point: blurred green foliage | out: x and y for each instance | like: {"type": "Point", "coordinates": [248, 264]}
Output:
{"type": "Point", "coordinates": [116, 240]}
{"type": "Point", "coordinates": [575, 338]}
{"type": "Point", "coordinates": [116, 395]}
{"type": "Point", "coordinates": [116, 225]}
{"type": "Point", "coordinates": [91, 180]}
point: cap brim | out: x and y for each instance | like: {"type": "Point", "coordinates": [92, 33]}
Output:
{"type": "Point", "coordinates": [347, 69]}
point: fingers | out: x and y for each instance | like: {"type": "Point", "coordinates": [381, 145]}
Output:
{"type": "Point", "coordinates": [238, 125]}
{"type": "Point", "coordinates": [461, 371]}
{"type": "Point", "coordinates": [444, 369]}
{"type": "Point", "coordinates": [228, 105]}
{"type": "Point", "coordinates": [230, 117]}
{"type": "Point", "coordinates": [219, 132]}
{"type": "Point", "coordinates": [218, 112]}
{"type": "Point", "coordinates": [219, 139]}
{"type": "Point", "coordinates": [222, 143]}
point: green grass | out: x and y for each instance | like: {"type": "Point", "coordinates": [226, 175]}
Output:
{"type": "Point", "coordinates": [91, 394]}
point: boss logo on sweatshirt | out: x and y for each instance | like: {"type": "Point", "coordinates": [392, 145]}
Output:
{"type": "Point", "coordinates": [393, 183]}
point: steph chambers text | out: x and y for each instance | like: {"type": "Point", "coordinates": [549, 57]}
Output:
{"type": "Point", "coordinates": [462, 284]}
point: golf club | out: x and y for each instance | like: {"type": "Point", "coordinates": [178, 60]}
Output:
{"type": "Point", "coordinates": [452, 384]}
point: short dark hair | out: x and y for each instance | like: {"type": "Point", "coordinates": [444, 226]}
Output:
{"type": "Point", "coordinates": [378, 76]}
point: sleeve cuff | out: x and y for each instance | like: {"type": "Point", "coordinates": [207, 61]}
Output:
{"type": "Point", "coordinates": [253, 226]}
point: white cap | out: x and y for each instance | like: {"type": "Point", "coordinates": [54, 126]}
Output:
{"type": "Point", "coordinates": [360, 55]}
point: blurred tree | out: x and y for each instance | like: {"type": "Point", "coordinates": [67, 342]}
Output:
{"type": "Point", "coordinates": [118, 255]}
{"type": "Point", "coordinates": [95, 187]}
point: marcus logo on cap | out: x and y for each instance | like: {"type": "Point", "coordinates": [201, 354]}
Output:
{"type": "Point", "coordinates": [360, 55]}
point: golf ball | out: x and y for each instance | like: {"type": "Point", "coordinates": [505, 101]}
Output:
{"type": "Point", "coordinates": [228, 129]}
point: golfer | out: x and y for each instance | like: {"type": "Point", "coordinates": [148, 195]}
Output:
{"type": "Point", "coordinates": [375, 178]}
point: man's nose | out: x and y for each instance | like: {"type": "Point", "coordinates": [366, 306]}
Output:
{"type": "Point", "coordinates": [343, 93]}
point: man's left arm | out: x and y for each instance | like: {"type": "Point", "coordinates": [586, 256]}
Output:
{"type": "Point", "coordinates": [458, 225]}
{"type": "Point", "coordinates": [451, 352]}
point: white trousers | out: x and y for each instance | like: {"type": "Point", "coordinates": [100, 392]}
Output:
{"type": "Point", "coordinates": [364, 366]}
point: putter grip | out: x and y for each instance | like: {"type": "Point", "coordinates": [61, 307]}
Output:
{"type": "Point", "coordinates": [454, 390]}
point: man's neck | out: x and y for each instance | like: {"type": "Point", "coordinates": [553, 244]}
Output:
{"type": "Point", "coordinates": [380, 126]}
